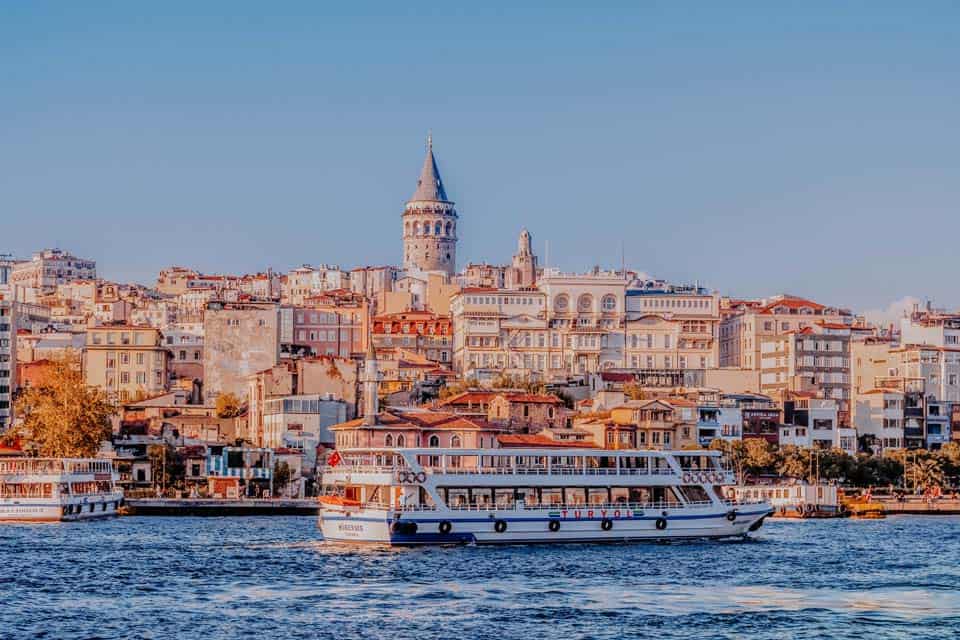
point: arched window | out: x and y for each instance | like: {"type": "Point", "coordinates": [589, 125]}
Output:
{"type": "Point", "coordinates": [449, 226]}
{"type": "Point", "coordinates": [434, 442]}
{"type": "Point", "coordinates": [455, 442]}
{"type": "Point", "coordinates": [406, 228]}
{"type": "Point", "coordinates": [609, 303]}
{"type": "Point", "coordinates": [388, 440]}
{"type": "Point", "coordinates": [562, 303]}
{"type": "Point", "coordinates": [437, 228]}
{"type": "Point", "coordinates": [585, 302]}
{"type": "Point", "coordinates": [400, 441]}
{"type": "Point", "coordinates": [426, 228]}
{"type": "Point", "coordinates": [416, 228]}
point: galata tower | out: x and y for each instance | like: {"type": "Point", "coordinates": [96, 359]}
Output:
{"type": "Point", "coordinates": [430, 223]}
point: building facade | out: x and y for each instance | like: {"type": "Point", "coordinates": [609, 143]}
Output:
{"type": "Point", "coordinates": [129, 363]}
{"type": "Point", "coordinates": [239, 339]}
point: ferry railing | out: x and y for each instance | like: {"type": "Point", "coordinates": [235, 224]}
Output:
{"type": "Point", "coordinates": [621, 506]}
{"type": "Point", "coordinates": [506, 470]}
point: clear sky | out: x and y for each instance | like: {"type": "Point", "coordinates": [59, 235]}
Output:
{"type": "Point", "coordinates": [809, 147]}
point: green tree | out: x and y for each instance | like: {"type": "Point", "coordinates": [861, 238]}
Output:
{"type": "Point", "coordinates": [734, 451]}
{"type": "Point", "coordinates": [634, 391]}
{"type": "Point", "coordinates": [169, 467]}
{"type": "Point", "coordinates": [923, 472]}
{"type": "Point", "coordinates": [759, 456]}
{"type": "Point", "coordinates": [228, 406]}
{"type": "Point", "coordinates": [62, 417]}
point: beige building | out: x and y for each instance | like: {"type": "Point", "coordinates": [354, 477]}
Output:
{"type": "Point", "coordinates": [127, 362]}
{"type": "Point", "coordinates": [743, 329]}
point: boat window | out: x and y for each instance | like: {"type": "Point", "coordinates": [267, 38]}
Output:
{"type": "Point", "coordinates": [694, 493]}
{"type": "Point", "coordinates": [503, 497]}
{"type": "Point", "coordinates": [527, 494]}
{"type": "Point", "coordinates": [598, 496]}
{"type": "Point", "coordinates": [456, 497]}
{"type": "Point", "coordinates": [549, 496]}
{"type": "Point", "coordinates": [575, 496]}
{"type": "Point", "coordinates": [619, 495]}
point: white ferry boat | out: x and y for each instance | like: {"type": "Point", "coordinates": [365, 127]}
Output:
{"type": "Point", "coordinates": [490, 496]}
{"type": "Point", "coordinates": [53, 489]}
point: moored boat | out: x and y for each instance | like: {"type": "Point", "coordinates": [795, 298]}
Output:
{"type": "Point", "coordinates": [794, 500]}
{"type": "Point", "coordinates": [501, 496]}
{"type": "Point", "coordinates": [57, 489]}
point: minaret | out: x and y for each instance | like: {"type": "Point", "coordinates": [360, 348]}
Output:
{"type": "Point", "coordinates": [430, 223]}
{"type": "Point", "coordinates": [370, 384]}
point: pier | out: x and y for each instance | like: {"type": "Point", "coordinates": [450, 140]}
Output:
{"type": "Point", "coordinates": [920, 506]}
{"type": "Point", "coordinates": [220, 507]}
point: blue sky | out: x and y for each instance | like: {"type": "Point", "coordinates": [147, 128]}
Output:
{"type": "Point", "coordinates": [758, 147]}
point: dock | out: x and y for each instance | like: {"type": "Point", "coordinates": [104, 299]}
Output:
{"type": "Point", "coordinates": [920, 506]}
{"type": "Point", "coordinates": [220, 507]}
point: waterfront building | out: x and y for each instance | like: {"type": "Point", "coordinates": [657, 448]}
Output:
{"type": "Point", "coordinates": [746, 324]}
{"type": "Point", "coordinates": [239, 339]}
{"type": "Point", "coordinates": [51, 267]}
{"type": "Point", "coordinates": [430, 223]}
{"type": "Point", "coordinates": [809, 421]}
{"type": "Point", "coordinates": [125, 361]}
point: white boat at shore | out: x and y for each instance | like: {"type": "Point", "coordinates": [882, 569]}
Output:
{"type": "Point", "coordinates": [531, 495]}
{"type": "Point", "coordinates": [57, 489]}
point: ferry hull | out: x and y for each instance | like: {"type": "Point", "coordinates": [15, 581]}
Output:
{"type": "Point", "coordinates": [383, 527]}
{"type": "Point", "coordinates": [39, 510]}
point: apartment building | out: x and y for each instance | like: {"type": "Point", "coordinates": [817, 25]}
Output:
{"type": "Point", "coordinates": [127, 362]}
{"type": "Point", "coordinates": [422, 333]}
{"type": "Point", "coordinates": [51, 267]}
{"type": "Point", "coordinates": [333, 323]}
{"type": "Point", "coordinates": [747, 324]}
{"type": "Point", "coordinates": [815, 358]}
{"type": "Point", "coordinates": [879, 416]}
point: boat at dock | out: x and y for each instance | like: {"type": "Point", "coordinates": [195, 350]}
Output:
{"type": "Point", "coordinates": [795, 500]}
{"type": "Point", "coordinates": [57, 489]}
{"type": "Point", "coordinates": [413, 496]}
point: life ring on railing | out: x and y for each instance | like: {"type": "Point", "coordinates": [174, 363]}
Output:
{"type": "Point", "coordinates": [661, 524]}
{"type": "Point", "coordinates": [606, 524]}
{"type": "Point", "coordinates": [732, 515]}
{"type": "Point", "coordinates": [500, 526]}
{"type": "Point", "coordinates": [687, 477]}
{"type": "Point", "coordinates": [554, 525]}
{"type": "Point", "coordinates": [421, 477]}
{"type": "Point", "coordinates": [445, 527]}
{"type": "Point", "coordinates": [403, 477]}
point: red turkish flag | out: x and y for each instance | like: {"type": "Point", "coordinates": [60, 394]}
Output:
{"type": "Point", "coordinates": [334, 459]}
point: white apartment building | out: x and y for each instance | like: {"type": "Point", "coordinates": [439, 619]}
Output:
{"type": "Point", "coordinates": [308, 281]}
{"type": "Point", "coordinates": [51, 267]}
{"type": "Point", "coordinates": [880, 414]}
{"type": "Point", "coordinates": [743, 329]}
{"type": "Point", "coordinates": [931, 328]}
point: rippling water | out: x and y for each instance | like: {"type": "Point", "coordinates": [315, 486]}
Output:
{"type": "Point", "coordinates": [142, 577]}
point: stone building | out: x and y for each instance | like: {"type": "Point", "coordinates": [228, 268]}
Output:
{"type": "Point", "coordinates": [527, 411]}
{"type": "Point", "coordinates": [50, 267]}
{"type": "Point", "coordinates": [430, 223]}
{"type": "Point", "coordinates": [522, 272]}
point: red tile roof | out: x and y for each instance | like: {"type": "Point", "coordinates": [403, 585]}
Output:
{"type": "Point", "coordinates": [791, 303]}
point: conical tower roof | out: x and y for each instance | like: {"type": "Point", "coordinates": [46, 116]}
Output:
{"type": "Point", "coordinates": [429, 185]}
